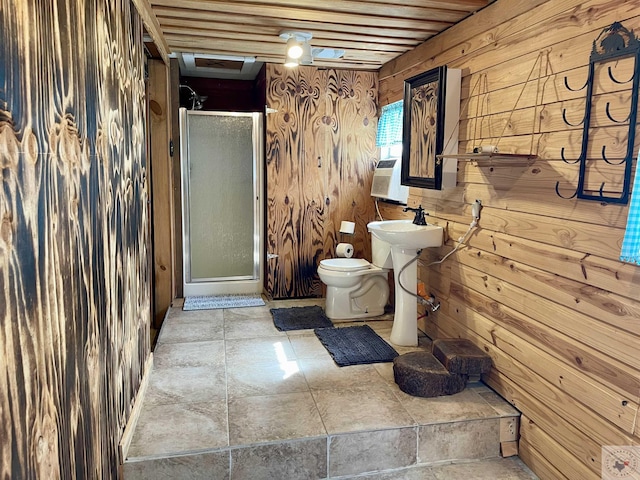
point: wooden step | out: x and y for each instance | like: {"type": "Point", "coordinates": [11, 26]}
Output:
{"type": "Point", "coordinates": [422, 375]}
{"type": "Point", "coordinates": [460, 356]}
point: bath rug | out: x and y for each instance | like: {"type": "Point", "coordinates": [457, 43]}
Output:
{"type": "Point", "coordinates": [300, 318]}
{"type": "Point", "coordinates": [355, 345]}
{"type": "Point", "coordinates": [204, 302]}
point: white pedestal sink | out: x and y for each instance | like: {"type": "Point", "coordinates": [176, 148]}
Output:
{"type": "Point", "coordinates": [406, 239]}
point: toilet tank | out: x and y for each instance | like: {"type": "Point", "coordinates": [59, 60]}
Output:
{"type": "Point", "coordinates": [380, 253]}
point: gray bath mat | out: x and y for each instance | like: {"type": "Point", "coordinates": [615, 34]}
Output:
{"type": "Point", "coordinates": [355, 345]}
{"type": "Point", "coordinates": [300, 318]}
{"type": "Point", "coordinates": [211, 302]}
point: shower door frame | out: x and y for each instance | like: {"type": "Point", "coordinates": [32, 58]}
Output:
{"type": "Point", "coordinates": [244, 284]}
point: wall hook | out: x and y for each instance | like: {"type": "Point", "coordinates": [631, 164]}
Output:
{"type": "Point", "coordinates": [608, 112]}
{"type": "Point", "coordinates": [613, 79]}
{"type": "Point", "coordinates": [565, 160]}
{"type": "Point", "coordinates": [564, 118]}
{"type": "Point", "coordinates": [562, 196]}
{"type": "Point", "coordinates": [566, 84]}
{"type": "Point", "coordinates": [604, 157]}
{"type": "Point", "coordinates": [601, 191]}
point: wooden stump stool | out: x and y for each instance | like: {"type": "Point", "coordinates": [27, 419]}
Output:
{"type": "Point", "coordinates": [422, 375]}
{"type": "Point", "coordinates": [459, 355]}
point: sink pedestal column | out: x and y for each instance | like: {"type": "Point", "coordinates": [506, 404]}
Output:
{"type": "Point", "coordinates": [405, 239]}
{"type": "Point", "coordinates": [405, 322]}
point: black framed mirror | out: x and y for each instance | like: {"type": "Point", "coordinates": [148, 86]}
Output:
{"type": "Point", "coordinates": [423, 129]}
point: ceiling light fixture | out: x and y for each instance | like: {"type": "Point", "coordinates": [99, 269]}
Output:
{"type": "Point", "coordinates": [297, 47]}
{"type": "Point", "coordinates": [291, 62]}
{"type": "Point", "coordinates": [307, 55]}
{"type": "Point", "coordinates": [294, 49]}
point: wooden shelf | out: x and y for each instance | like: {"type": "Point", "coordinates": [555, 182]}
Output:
{"type": "Point", "coordinates": [490, 156]}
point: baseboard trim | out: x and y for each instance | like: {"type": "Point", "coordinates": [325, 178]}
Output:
{"type": "Point", "coordinates": [127, 435]}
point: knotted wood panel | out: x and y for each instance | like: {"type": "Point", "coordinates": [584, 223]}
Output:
{"type": "Point", "coordinates": [74, 276]}
{"type": "Point", "coordinates": [320, 155]}
{"type": "Point", "coordinates": [353, 148]}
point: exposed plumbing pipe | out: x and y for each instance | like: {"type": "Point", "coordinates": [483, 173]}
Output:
{"type": "Point", "coordinates": [475, 212]}
{"type": "Point", "coordinates": [423, 301]}
{"type": "Point", "coordinates": [414, 259]}
{"type": "Point", "coordinates": [378, 210]}
{"type": "Point", "coordinates": [431, 300]}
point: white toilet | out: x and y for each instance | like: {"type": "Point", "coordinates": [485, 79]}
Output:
{"type": "Point", "coordinates": [355, 287]}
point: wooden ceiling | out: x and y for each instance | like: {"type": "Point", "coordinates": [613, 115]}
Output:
{"type": "Point", "coordinates": [371, 32]}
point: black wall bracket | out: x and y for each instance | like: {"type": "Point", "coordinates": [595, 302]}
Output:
{"type": "Point", "coordinates": [615, 48]}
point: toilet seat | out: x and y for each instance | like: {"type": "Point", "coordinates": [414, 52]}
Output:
{"type": "Point", "coordinates": [345, 264]}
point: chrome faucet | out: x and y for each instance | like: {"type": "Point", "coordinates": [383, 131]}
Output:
{"type": "Point", "coordinates": [420, 213]}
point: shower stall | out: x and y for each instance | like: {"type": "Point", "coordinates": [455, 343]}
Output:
{"type": "Point", "coordinates": [222, 202]}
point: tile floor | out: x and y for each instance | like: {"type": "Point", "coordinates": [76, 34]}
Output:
{"type": "Point", "coordinates": [231, 397]}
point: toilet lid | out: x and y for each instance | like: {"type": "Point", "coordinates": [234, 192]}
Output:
{"type": "Point", "coordinates": [345, 264]}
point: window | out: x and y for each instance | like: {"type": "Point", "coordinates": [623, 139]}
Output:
{"type": "Point", "coordinates": [392, 151]}
{"type": "Point", "coordinates": [389, 135]}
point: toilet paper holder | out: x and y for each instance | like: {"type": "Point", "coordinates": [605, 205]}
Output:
{"type": "Point", "coordinates": [346, 228]}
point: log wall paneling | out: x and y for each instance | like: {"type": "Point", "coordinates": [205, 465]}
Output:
{"type": "Point", "coordinates": [150, 20]}
{"type": "Point", "coordinates": [74, 235]}
{"type": "Point", "coordinates": [320, 153]}
{"type": "Point", "coordinates": [539, 286]}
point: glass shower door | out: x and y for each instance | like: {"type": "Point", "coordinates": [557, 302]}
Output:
{"type": "Point", "coordinates": [221, 158]}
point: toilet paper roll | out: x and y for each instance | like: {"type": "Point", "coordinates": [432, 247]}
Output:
{"type": "Point", "coordinates": [486, 149]}
{"type": "Point", "coordinates": [344, 250]}
{"type": "Point", "coordinates": [347, 227]}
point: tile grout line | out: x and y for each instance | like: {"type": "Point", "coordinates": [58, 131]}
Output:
{"type": "Point", "coordinates": [304, 348]}
{"type": "Point", "coordinates": [328, 439]}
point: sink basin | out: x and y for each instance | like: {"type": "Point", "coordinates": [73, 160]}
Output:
{"type": "Point", "coordinates": [405, 234]}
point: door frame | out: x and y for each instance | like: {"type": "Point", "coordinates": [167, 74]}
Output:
{"type": "Point", "coordinates": [231, 285]}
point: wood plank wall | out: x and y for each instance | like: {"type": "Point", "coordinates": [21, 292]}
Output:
{"type": "Point", "coordinates": [74, 235]}
{"type": "Point", "coordinates": [176, 179]}
{"type": "Point", "coordinates": [539, 287]}
{"type": "Point", "coordinates": [320, 154]}
{"type": "Point", "coordinates": [161, 174]}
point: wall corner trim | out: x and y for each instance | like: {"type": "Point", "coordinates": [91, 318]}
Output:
{"type": "Point", "coordinates": [153, 27]}
{"type": "Point", "coordinates": [127, 434]}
